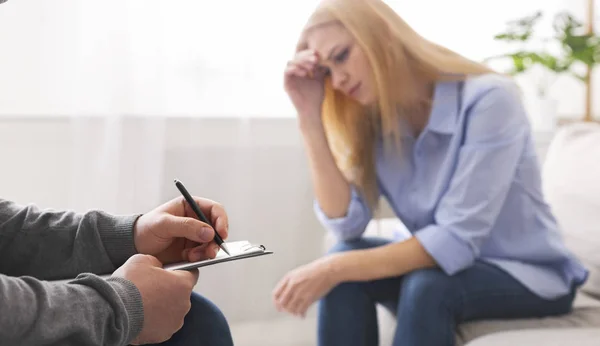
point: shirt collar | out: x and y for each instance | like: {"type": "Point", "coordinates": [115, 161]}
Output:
{"type": "Point", "coordinates": [444, 111]}
{"type": "Point", "coordinates": [443, 117]}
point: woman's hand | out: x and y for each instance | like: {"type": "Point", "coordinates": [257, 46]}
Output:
{"type": "Point", "coordinates": [303, 286]}
{"type": "Point", "coordinates": [304, 84]}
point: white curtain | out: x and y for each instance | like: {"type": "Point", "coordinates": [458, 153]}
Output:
{"type": "Point", "coordinates": [118, 70]}
{"type": "Point", "coordinates": [117, 163]}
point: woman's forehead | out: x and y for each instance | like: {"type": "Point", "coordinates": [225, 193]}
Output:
{"type": "Point", "coordinates": [325, 37]}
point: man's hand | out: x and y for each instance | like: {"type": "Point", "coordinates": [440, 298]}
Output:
{"type": "Point", "coordinates": [165, 296]}
{"type": "Point", "coordinates": [172, 232]}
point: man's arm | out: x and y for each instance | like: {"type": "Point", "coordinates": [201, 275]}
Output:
{"type": "Point", "coordinates": [86, 311]}
{"type": "Point", "coordinates": [54, 245]}
{"type": "Point", "coordinates": [127, 307]}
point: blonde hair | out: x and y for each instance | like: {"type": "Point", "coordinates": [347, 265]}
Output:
{"type": "Point", "coordinates": [397, 55]}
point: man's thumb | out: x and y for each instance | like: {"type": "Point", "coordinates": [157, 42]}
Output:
{"type": "Point", "coordinates": [190, 276]}
{"type": "Point", "coordinates": [190, 228]}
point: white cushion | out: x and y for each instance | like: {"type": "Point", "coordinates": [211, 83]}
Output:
{"type": "Point", "coordinates": [571, 183]}
{"type": "Point", "coordinates": [546, 337]}
{"type": "Point", "coordinates": [585, 314]}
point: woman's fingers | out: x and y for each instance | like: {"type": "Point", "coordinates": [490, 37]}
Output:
{"type": "Point", "coordinates": [304, 64]}
{"type": "Point", "coordinates": [296, 70]}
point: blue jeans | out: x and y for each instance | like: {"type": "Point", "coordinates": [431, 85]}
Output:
{"type": "Point", "coordinates": [203, 325]}
{"type": "Point", "coordinates": [428, 304]}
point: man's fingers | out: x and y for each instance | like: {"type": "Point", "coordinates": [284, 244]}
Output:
{"type": "Point", "coordinates": [210, 208]}
{"type": "Point", "coordinates": [189, 276]}
{"type": "Point", "coordinates": [222, 227]}
{"type": "Point", "coordinates": [218, 217]}
{"type": "Point", "coordinates": [146, 259]}
{"type": "Point", "coordinates": [200, 253]}
{"type": "Point", "coordinates": [214, 211]}
{"type": "Point", "coordinates": [196, 253]}
{"type": "Point", "coordinates": [195, 273]}
{"type": "Point", "coordinates": [187, 227]}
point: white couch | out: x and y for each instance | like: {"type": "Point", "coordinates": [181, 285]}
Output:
{"type": "Point", "coordinates": [571, 178]}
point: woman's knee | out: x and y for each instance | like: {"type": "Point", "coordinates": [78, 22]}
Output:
{"type": "Point", "coordinates": [427, 287]}
{"type": "Point", "coordinates": [345, 297]}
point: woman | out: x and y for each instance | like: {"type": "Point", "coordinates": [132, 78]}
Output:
{"type": "Point", "coordinates": [384, 112]}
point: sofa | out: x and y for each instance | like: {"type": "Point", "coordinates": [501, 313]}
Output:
{"type": "Point", "coordinates": [571, 183]}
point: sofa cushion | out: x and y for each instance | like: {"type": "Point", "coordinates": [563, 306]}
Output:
{"type": "Point", "coordinates": [585, 314]}
{"type": "Point", "coordinates": [571, 184]}
{"type": "Point", "coordinates": [546, 337]}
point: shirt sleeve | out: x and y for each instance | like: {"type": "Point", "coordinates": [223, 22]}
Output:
{"type": "Point", "coordinates": [495, 136]}
{"type": "Point", "coordinates": [353, 224]}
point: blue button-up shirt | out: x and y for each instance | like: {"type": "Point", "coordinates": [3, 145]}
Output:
{"type": "Point", "coordinates": [469, 188]}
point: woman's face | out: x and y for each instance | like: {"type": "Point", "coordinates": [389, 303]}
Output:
{"type": "Point", "coordinates": [346, 62]}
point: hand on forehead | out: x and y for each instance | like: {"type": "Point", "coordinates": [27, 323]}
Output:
{"type": "Point", "coordinates": [328, 40]}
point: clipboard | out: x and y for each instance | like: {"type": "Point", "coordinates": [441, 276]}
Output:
{"type": "Point", "coordinates": [239, 250]}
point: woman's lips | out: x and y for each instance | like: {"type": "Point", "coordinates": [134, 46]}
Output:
{"type": "Point", "coordinates": [354, 90]}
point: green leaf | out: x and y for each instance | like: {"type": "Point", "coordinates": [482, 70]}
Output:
{"type": "Point", "coordinates": [519, 29]}
{"type": "Point", "coordinates": [578, 76]}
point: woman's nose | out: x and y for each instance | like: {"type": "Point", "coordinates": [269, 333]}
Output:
{"type": "Point", "coordinates": [339, 79]}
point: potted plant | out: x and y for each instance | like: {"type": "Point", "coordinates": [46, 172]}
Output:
{"type": "Point", "coordinates": [571, 46]}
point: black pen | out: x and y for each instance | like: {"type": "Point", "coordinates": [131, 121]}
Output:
{"type": "Point", "coordinates": [200, 214]}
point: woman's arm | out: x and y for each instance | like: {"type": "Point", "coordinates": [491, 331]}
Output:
{"type": "Point", "coordinates": [331, 188]}
{"type": "Point", "coordinates": [391, 260]}
{"type": "Point", "coordinates": [338, 205]}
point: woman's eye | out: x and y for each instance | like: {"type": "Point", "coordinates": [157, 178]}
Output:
{"type": "Point", "coordinates": [342, 56]}
{"type": "Point", "coordinates": [325, 71]}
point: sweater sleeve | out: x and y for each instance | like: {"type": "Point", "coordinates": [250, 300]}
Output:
{"type": "Point", "coordinates": [55, 245]}
{"type": "Point", "coordinates": [88, 310]}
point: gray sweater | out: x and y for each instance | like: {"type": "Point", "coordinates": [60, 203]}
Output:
{"type": "Point", "coordinates": [37, 246]}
